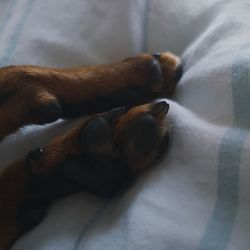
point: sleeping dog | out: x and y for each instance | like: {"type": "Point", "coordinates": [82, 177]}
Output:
{"type": "Point", "coordinates": [121, 134]}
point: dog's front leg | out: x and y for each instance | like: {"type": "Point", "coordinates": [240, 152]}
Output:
{"type": "Point", "coordinates": [100, 156]}
{"type": "Point", "coordinates": [38, 95]}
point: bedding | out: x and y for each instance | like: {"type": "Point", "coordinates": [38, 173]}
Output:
{"type": "Point", "coordinates": [198, 197]}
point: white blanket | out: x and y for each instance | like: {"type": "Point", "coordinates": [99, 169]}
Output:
{"type": "Point", "coordinates": [198, 198]}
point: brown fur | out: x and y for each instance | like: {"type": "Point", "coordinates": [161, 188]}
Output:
{"type": "Point", "coordinates": [125, 126]}
{"type": "Point", "coordinates": [13, 182]}
{"type": "Point", "coordinates": [26, 90]}
{"type": "Point", "coordinates": [15, 178]}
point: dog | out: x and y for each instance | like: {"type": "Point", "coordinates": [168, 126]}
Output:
{"type": "Point", "coordinates": [122, 134]}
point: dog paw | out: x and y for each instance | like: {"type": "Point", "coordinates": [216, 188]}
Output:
{"type": "Point", "coordinates": [158, 73]}
{"type": "Point", "coordinates": [83, 159]}
{"type": "Point", "coordinates": [103, 154]}
{"type": "Point", "coordinates": [142, 135]}
{"type": "Point", "coordinates": [93, 138]}
{"type": "Point", "coordinates": [114, 153]}
{"type": "Point", "coordinates": [171, 72]}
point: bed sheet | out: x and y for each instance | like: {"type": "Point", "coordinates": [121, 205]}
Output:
{"type": "Point", "coordinates": [198, 197]}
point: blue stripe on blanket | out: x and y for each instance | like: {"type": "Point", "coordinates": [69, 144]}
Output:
{"type": "Point", "coordinates": [5, 59]}
{"type": "Point", "coordinates": [219, 228]}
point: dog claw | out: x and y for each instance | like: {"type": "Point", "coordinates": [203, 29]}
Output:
{"type": "Point", "coordinates": [159, 108]}
{"type": "Point", "coordinates": [156, 73]}
{"type": "Point", "coordinates": [157, 55]}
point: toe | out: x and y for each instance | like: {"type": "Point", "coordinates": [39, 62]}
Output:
{"type": "Point", "coordinates": [157, 55]}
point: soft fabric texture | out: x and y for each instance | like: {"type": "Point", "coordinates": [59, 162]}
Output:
{"type": "Point", "coordinates": [198, 197]}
